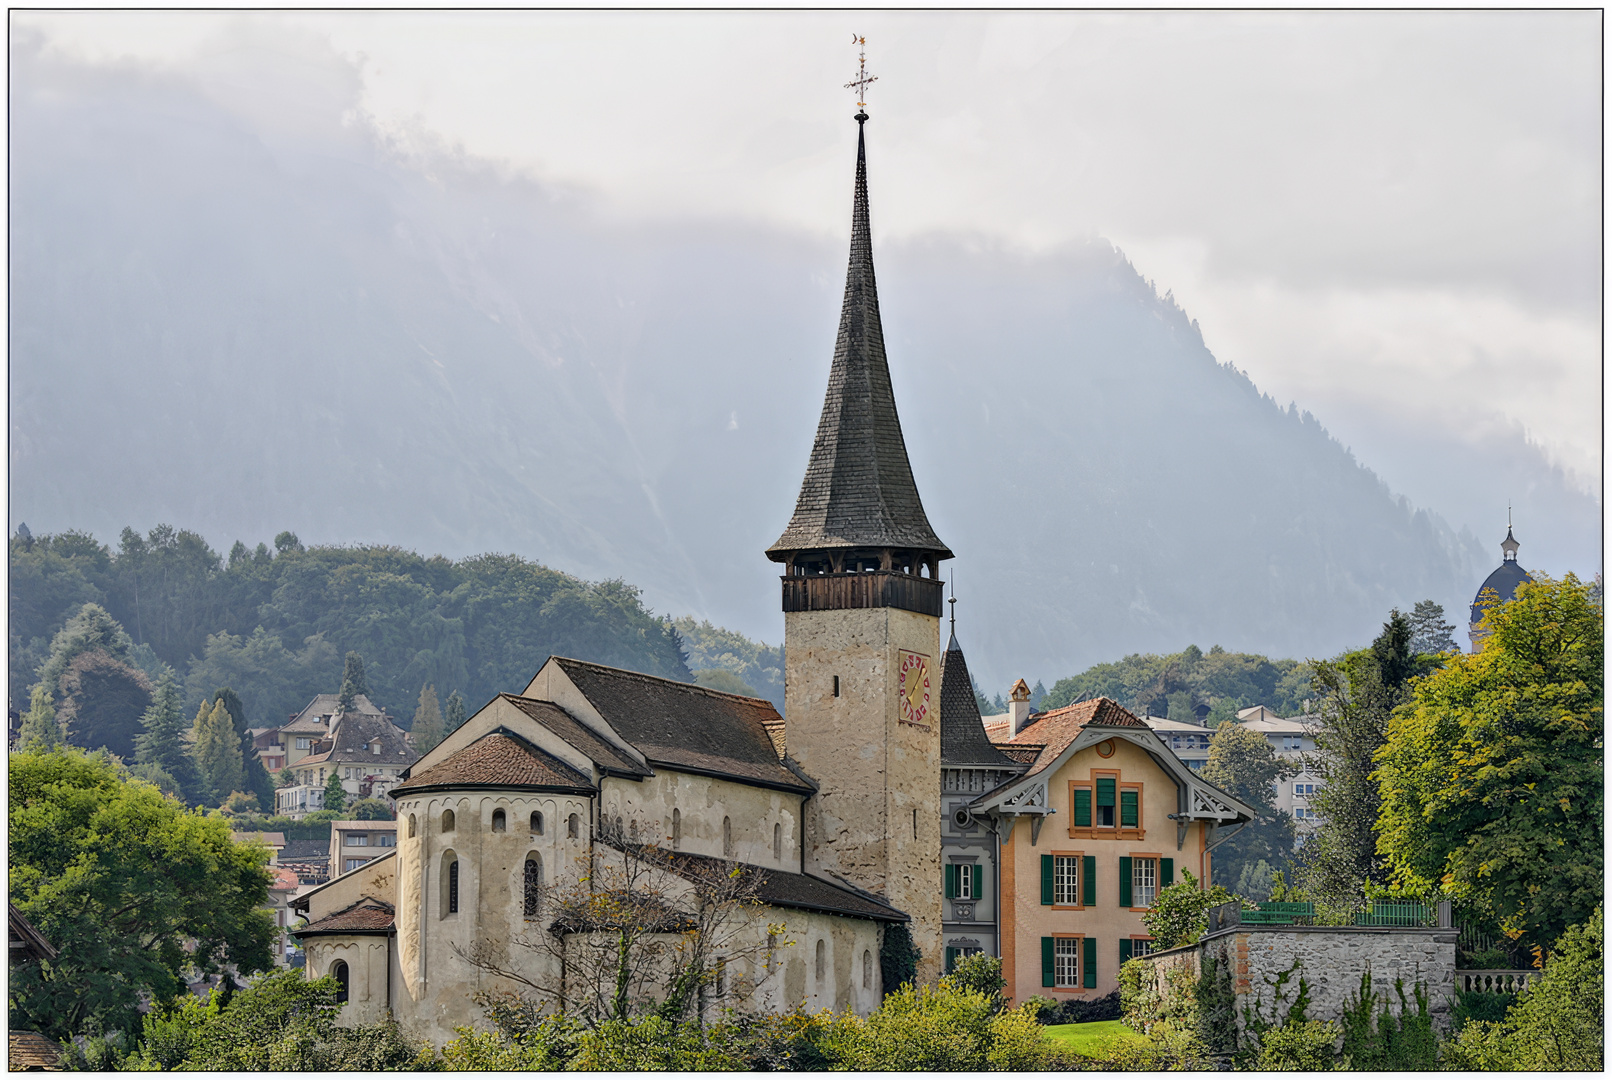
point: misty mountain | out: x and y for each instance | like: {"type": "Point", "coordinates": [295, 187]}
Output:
{"type": "Point", "coordinates": [249, 325]}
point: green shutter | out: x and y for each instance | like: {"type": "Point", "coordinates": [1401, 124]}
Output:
{"type": "Point", "coordinates": [1083, 808]}
{"type": "Point", "coordinates": [1166, 872]}
{"type": "Point", "coordinates": [1128, 816]}
{"type": "Point", "coordinates": [951, 881]}
{"type": "Point", "coordinates": [1125, 881]}
{"type": "Point", "coordinates": [1046, 882]}
{"type": "Point", "coordinates": [1088, 880]}
{"type": "Point", "coordinates": [1124, 949]}
{"type": "Point", "coordinates": [951, 960]}
{"type": "Point", "coordinates": [1105, 791]}
{"type": "Point", "coordinates": [1091, 963]}
{"type": "Point", "coordinates": [979, 881]}
{"type": "Point", "coordinates": [1046, 961]}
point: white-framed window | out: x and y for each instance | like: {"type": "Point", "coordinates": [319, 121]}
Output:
{"type": "Point", "coordinates": [965, 881]}
{"type": "Point", "coordinates": [1141, 946]}
{"type": "Point", "coordinates": [1066, 961]}
{"type": "Point", "coordinates": [1304, 813]}
{"type": "Point", "coordinates": [358, 840]}
{"type": "Point", "coordinates": [353, 864]}
{"type": "Point", "coordinates": [1305, 789]}
{"type": "Point", "coordinates": [385, 840]}
{"type": "Point", "coordinates": [1144, 882]}
{"type": "Point", "coordinates": [1065, 879]}
{"type": "Point", "coordinates": [304, 742]}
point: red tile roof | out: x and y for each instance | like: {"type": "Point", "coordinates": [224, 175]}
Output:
{"type": "Point", "coordinates": [367, 916]}
{"type": "Point", "coordinates": [498, 759]}
{"type": "Point", "coordinates": [1056, 729]}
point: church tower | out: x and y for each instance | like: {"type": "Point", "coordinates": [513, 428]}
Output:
{"type": "Point", "coordinates": [862, 600]}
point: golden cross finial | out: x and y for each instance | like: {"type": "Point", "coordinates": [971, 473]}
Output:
{"type": "Point", "coordinates": [863, 80]}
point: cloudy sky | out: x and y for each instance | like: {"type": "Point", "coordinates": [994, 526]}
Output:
{"type": "Point", "coordinates": [1392, 218]}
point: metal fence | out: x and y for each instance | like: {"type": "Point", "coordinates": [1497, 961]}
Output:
{"type": "Point", "coordinates": [1384, 913]}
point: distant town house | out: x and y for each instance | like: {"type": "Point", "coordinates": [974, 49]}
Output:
{"type": "Point", "coordinates": [366, 751]}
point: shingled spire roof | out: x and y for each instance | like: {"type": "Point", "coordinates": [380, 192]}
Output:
{"type": "Point", "coordinates": [859, 490]}
{"type": "Point", "coordinates": [962, 733]}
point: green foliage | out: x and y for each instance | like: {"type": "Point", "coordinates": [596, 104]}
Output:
{"type": "Point", "coordinates": [1242, 764]}
{"type": "Point", "coordinates": [274, 626]}
{"type": "Point", "coordinates": [1429, 632]}
{"type": "Point", "coordinates": [926, 1028]}
{"type": "Point", "coordinates": [353, 682]}
{"type": "Point", "coordinates": [428, 727]}
{"type": "Point", "coordinates": [1402, 1041]}
{"type": "Point", "coordinates": [1489, 1006]}
{"type": "Point", "coordinates": [754, 663]}
{"type": "Point", "coordinates": [102, 701]}
{"type": "Point", "coordinates": [40, 731]}
{"type": "Point", "coordinates": [1223, 680]}
{"type": "Point", "coordinates": [240, 802]}
{"type": "Point", "coordinates": [369, 810]}
{"type": "Point", "coordinates": [548, 1045]}
{"type": "Point", "coordinates": [453, 715]}
{"type": "Point", "coordinates": [1492, 777]}
{"type": "Point", "coordinates": [216, 751]}
{"type": "Point", "coordinates": [254, 777]}
{"type": "Point", "coordinates": [129, 887]}
{"type": "Point", "coordinates": [335, 794]}
{"type": "Point", "coordinates": [1180, 912]}
{"type": "Point", "coordinates": [282, 1022]}
{"type": "Point", "coordinates": [91, 629]}
{"type": "Point", "coordinates": [898, 957]}
{"type": "Point", "coordinates": [1215, 1008]}
{"type": "Point", "coordinates": [723, 680]}
{"type": "Point", "coordinates": [982, 973]}
{"type": "Point", "coordinates": [162, 743]}
{"type": "Point", "coordinates": [1301, 1047]}
{"type": "Point", "coordinates": [1355, 696]}
{"type": "Point", "coordinates": [1557, 1024]}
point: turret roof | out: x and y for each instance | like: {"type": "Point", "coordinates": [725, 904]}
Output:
{"type": "Point", "coordinates": [962, 733]}
{"type": "Point", "coordinates": [859, 490]}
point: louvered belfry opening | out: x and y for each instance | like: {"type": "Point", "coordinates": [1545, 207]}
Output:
{"type": "Point", "coordinates": [859, 536]}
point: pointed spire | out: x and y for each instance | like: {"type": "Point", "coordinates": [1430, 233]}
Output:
{"type": "Point", "coordinates": [962, 732]}
{"type": "Point", "coordinates": [859, 490]}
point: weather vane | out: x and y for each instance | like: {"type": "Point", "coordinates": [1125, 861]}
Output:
{"type": "Point", "coordinates": [863, 80]}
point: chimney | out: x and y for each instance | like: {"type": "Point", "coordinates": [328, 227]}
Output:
{"type": "Point", "coordinates": [1019, 706]}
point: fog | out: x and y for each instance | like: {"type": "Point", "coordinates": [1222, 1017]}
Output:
{"type": "Point", "coordinates": [260, 310]}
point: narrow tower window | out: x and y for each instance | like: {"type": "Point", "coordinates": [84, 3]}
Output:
{"type": "Point", "coordinates": [572, 828]}
{"type": "Point", "coordinates": [867, 969]}
{"type": "Point", "coordinates": [677, 828]}
{"type": "Point", "coordinates": [447, 821]}
{"type": "Point", "coordinates": [344, 979]}
{"type": "Point", "coordinates": [727, 838]}
{"type": "Point", "coordinates": [411, 825]}
{"type": "Point", "coordinates": [500, 822]}
{"type": "Point", "coordinates": [778, 842]}
{"type": "Point", "coordinates": [537, 822]}
{"type": "Point", "coordinates": [821, 965]}
{"type": "Point", "coordinates": [836, 686]}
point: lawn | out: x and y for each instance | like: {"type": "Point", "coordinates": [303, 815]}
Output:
{"type": "Point", "coordinates": [1088, 1039]}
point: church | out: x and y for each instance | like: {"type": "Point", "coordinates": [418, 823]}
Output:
{"type": "Point", "coordinates": [875, 819]}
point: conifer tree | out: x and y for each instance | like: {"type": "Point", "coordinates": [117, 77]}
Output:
{"type": "Point", "coordinates": [162, 743]}
{"type": "Point", "coordinates": [453, 716]}
{"type": "Point", "coordinates": [254, 777]}
{"type": "Point", "coordinates": [41, 731]}
{"type": "Point", "coordinates": [335, 794]}
{"type": "Point", "coordinates": [217, 753]}
{"type": "Point", "coordinates": [427, 728]}
{"type": "Point", "coordinates": [353, 682]}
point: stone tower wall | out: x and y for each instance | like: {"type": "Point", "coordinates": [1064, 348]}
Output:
{"type": "Point", "coordinates": [875, 820]}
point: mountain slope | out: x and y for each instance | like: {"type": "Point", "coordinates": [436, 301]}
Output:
{"type": "Point", "coordinates": [245, 330]}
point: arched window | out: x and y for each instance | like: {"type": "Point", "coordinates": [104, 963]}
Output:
{"type": "Point", "coordinates": [344, 979]}
{"type": "Point", "coordinates": [677, 828]}
{"type": "Point", "coordinates": [500, 822]}
{"type": "Point", "coordinates": [411, 825]}
{"type": "Point", "coordinates": [532, 885]}
{"type": "Point", "coordinates": [727, 838]}
{"type": "Point", "coordinates": [867, 969]}
{"type": "Point", "coordinates": [572, 827]}
{"type": "Point", "coordinates": [537, 822]}
{"type": "Point", "coordinates": [778, 841]}
{"type": "Point", "coordinates": [447, 821]}
{"type": "Point", "coordinates": [450, 884]}
{"type": "Point", "coordinates": [822, 959]}
{"type": "Point", "coordinates": [721, 978]}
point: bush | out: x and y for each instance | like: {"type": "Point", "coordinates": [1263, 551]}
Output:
{"type": "Point", "coordinates": [982, 973]}
{"type": "Point", "coordinates": [1402, 1042]}
{"type": "Point", "coordinates": [1076, 1010]}
{"type": "Point", "coordinates": [1017, 1043]}
{"type": "Point", "coordinates": [1180, 912]}
{"type": "Point", "coordinates": [1305, 1047]}
{"type": "Point", "coordinates": [1486, 1005]}
{"type": "Point", "coordinates": [653, 1044]}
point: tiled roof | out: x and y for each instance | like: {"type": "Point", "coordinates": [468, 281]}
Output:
{"type": "Point", "coordinates": [784, 888]}
{"type": "Point", "coordinates": [32, 1052]}
{"type": "Point", "coordinates": [1025, 755]}
{"type": "Point", "coordinates": [271, 839]}
{"type": "Point", "coordinates": [367, 916]}
{"type": "Point", "coordinates": [859, 490]}
{"type": "Point", "coordinates": [285, 879]}
{"type": "Point", "coordinates": [498, 759]}
{"type": "Point", "coordinates": [962, 733]}
{"type": "Point", "coordinates": [1056, 729]}
{"type": "Point", "coordinates": [686, 726]}
{"type": "Point", "coordinates": [325, 705]}
{"type": "Point", "coordinates": [578, 734]}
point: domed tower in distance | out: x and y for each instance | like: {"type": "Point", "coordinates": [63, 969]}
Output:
{"type": "Point", "coordinates": [1503, 581]}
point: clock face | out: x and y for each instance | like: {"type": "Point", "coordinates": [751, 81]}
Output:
{"type": "Point", "coordinates": [914, 688]}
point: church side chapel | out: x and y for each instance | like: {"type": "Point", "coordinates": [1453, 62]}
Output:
{"type": "Point", "coordinates": [799, 853]}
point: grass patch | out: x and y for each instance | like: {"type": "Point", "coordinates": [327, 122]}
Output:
{"type": "Point", "coordinates": [1090, 1040]}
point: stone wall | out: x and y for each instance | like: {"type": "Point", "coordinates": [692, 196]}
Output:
{"type": "Point", "coordinates": [1330, 960]}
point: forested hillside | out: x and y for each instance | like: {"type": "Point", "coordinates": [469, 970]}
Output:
{"type": "Point", "coordinates": [274, 624]}
{"type": "Point", "coordinates": [1180, 685]}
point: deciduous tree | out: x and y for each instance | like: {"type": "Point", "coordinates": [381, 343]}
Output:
{"type": "Point", "coordinates": [129, 887]}
{"type": "Point", "coordinates": [1242, 764]}
{"type": "Point", "coordinates": [1492, 776]}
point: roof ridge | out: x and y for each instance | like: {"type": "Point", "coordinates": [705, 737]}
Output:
{"type": "Point", "coordinates": [660, 679]}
